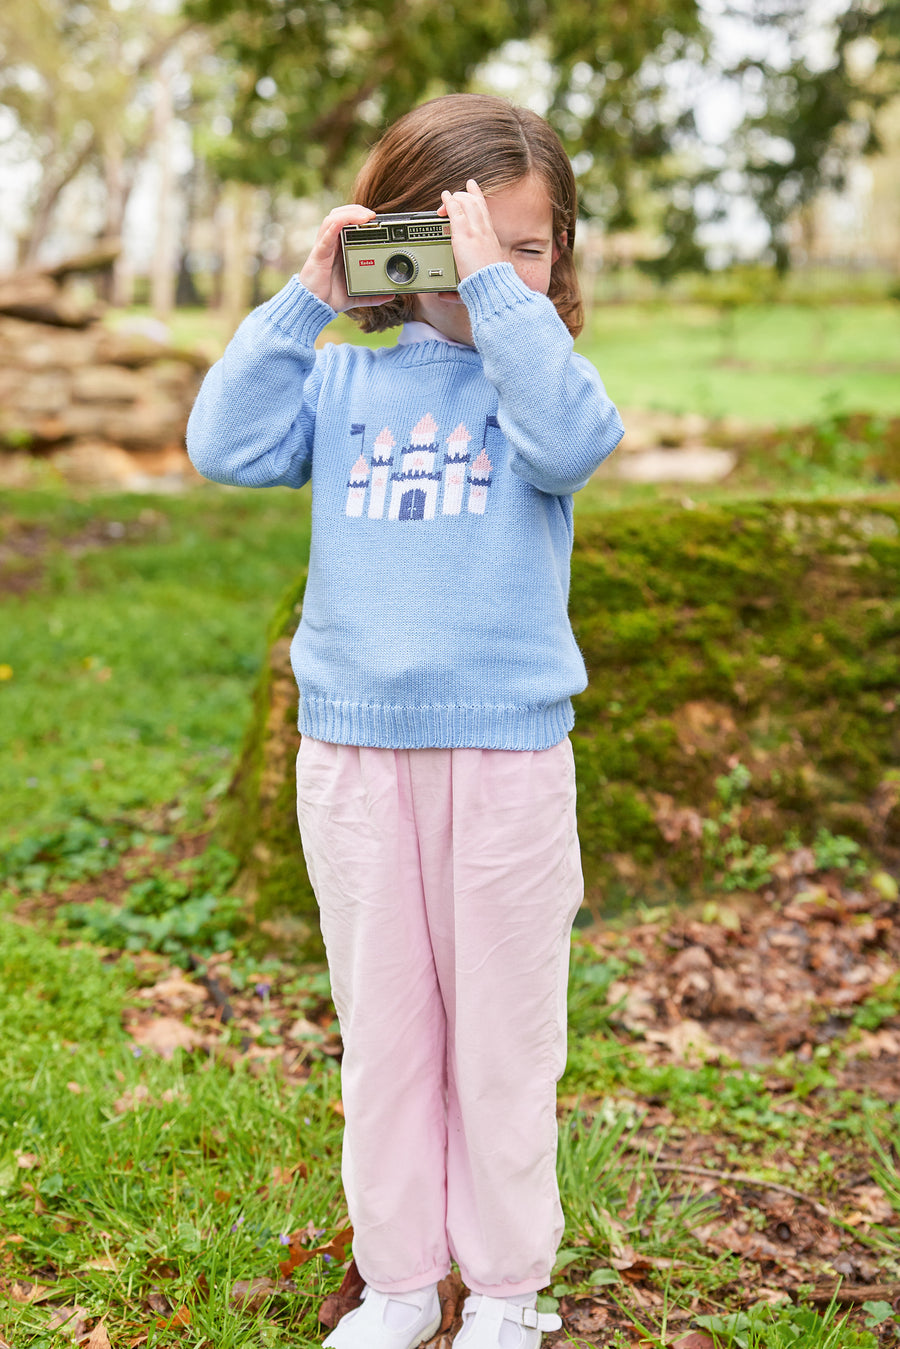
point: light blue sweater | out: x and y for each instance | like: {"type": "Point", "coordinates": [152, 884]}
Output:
{"type": "Point", "coordinates": [435, 608]}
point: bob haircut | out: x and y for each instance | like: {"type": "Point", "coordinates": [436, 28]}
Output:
{"type": "Point", "coordinates": [443, 143]}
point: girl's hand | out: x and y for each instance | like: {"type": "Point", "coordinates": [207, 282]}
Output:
{"type": "Point", "coordinates": [323, 271]}
{"type": "Point", "coordinates": [474, 240]}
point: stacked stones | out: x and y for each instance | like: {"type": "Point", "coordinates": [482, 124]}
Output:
{"type": "Point", "coordinates": [106, 407]}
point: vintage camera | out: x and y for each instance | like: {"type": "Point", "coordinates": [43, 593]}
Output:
{"type": "Point", "coordinates": [394, 254]}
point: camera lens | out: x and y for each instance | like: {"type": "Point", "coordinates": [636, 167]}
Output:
{"type": "Point", "coordinates": [401, 269]}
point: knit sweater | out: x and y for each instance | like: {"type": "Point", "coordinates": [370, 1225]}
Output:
{"type": "Point", "coordinates": [435, 612]}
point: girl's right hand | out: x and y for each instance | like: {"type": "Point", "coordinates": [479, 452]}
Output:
{"type": "Point", "coordinates": [323, 271]}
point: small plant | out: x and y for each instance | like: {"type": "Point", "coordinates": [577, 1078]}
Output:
{"type": "Point", "coordinates": [736, 863]}
{"type": "Point", "coordinates": [837, 852]}
{"type": "Point", "coordinates": [55, 858]}
{"type": "Point", "coordinates": [785, 1327]}
{"type": "Point", "coordinates": [180, 913]}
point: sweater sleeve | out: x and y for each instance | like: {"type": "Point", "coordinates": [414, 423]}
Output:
{"type": "Point", "coordinates": [253, 421]}
{"type": "Point", "coordinates": [553, 408]}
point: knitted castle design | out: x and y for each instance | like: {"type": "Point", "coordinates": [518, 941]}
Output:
{"type": "Point", "coordinates": [410, 487]}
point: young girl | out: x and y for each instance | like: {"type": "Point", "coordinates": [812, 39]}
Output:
{"type": "Point", "coordinates": [435, 662]}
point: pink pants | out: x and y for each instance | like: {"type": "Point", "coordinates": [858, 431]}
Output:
{"type": "Point", "coordinates": [447, 881]}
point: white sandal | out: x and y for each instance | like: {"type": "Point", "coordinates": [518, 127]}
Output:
{"type": "Point", "coordinates": [483, 1316]}
{"type": "Point", "coordinates": [366, 1326]}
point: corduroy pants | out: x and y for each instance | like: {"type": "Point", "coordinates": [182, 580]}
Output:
{"type": "Point", "coordinates": [447, 881]}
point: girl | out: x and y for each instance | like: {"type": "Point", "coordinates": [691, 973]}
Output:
{"type": "Point", "coordinates": [436, 663]}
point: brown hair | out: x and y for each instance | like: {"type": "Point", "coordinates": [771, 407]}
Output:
{"type": "Point", "coordinates": [442, 144]}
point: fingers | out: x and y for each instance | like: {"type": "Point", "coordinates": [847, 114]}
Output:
{"type": "Point", "coordinates": [474, 239]}
{"type": "Point", "coordinates": [334, 222]}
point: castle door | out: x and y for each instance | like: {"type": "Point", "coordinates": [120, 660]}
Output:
{"type": "Point", "coordinates": [412, 504]}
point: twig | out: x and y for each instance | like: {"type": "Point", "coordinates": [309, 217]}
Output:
{"type": "Point", "coordinates": [742, 1178]}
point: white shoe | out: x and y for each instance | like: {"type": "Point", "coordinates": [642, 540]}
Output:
{"type": "Point", "coordinates": [484, 1318]}
{"type": "Point", "coordinates": [388, 1321]}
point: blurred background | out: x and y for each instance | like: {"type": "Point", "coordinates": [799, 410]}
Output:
{"type": "Point", "coordinates": [164, 167]}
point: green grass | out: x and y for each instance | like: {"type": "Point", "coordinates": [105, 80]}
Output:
{"type": "Point", "coordinates": [778, 365]}
{"type": "Point", "coordinates": [132, 664]}
{"type": "Point", "coordinates": [126, 1177]}
{"type": "Point", "coordinates": [767, 364]}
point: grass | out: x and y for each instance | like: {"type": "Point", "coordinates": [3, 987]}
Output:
{"type": "Point", "coordinates": [151, 1192]}
{"type": "Point", "coordinates": [765, 364]}
{"type": "Point", "coordinates": [129, 666]}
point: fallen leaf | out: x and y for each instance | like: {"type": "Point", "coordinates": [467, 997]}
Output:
{"type": "Point", "coordinates": [178, 993]}
{"type": "Point", "coordinates": [159, 1303]}
{"type": "Point", "coordinates": [695, 1339]}
{"type": "Point", "coordinates": [687, 1042]}
{"type": "Point", "coordinates": [23, 1291]}
{"type": "Point", "coordinates": [97, 1339]}
{"type": "Point", "coordinates": [300, 1254]}
{"type": "Point", "coordinates": [70, 1320]}
{"type": "Point", "coordinates": [164, 1034]}
{"type": "Point", "coordinates": [348, 1296]}
{"type": "Point", "coordinates": [583, 1316]}
{"type": "Point", "coordinates": [251, 1294]}
{"type": "Point", "coordinates": [26, 1160]}
{"type": "Point", "coordinates": [181, 1317]}
{"type": "Point", "coordinates": [75, 1088]}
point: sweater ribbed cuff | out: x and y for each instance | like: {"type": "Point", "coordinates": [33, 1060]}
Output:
{"type": "Point", "coordinates": [492, 289]}
{"type": "Point", "coordinates": [297, 312]}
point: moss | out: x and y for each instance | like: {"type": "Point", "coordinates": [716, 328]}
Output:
{"type": "Point", "coordinates": [258, 819]}
{"type": "Point", "coordinates": [765, 632]}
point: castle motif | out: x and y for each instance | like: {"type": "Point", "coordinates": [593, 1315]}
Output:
{"type": "Point", "coordinates": [417, 485]}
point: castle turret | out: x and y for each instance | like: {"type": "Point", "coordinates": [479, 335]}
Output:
{"type": "Point", "coordinates": [382, 463]}
{"type": "Point", "coordinates": [356, 487]}
{"type": "Point", "coordinates": [455, 459]}
{"type": "Point", "coordinates": [480, 481]}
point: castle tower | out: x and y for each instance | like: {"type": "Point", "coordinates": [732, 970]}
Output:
{"type": "Point", "coordinates": [356, 487]}
{"type": "Point", "coordinates": [455, 460]}
{"type": "Point", "coordinates": [382, 463]}
{"type": "Point", "coordinates": [480, 481]}
{"type": "Point", "coordinates": [414, 488]}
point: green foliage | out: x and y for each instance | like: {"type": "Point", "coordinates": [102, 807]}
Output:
{"type": "Point", "coordinates": [51, 859]}
{"type": "Point", "coordinates": [182, 912]}
{"type": "Point", "coordinates": [785, 1327]}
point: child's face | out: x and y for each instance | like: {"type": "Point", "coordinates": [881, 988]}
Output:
{"type": "Point", "coordinates": [522, 219]}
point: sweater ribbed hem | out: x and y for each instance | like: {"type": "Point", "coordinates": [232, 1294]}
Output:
{"type": "Point", "coordinates": [452, 727]}
{"type": "Point", "coordinates": [298, 313]}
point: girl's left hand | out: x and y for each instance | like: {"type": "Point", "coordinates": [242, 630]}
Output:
{"type": "Point", "coordinates": [474, 240]}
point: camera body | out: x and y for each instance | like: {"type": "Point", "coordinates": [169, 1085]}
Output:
{"type": "Point", "coordinates": [408, 254]}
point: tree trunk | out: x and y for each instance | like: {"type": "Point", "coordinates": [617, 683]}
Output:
{"type": "Point", "coordinates": [238, 201]}
{"type": "Point", "coordinates": [164, 265]}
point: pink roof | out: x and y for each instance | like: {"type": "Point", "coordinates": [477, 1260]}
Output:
{"type": "Point", "coordinates": [482, 465]}
{"type": "Point", "coordinates": [384, 437]}
{"type": "Point", "coordinates": [424, 431]}
{"type": "Point", "coordinates": [360, 469]}
{"type": "Point", "coordinates": [460, 433]}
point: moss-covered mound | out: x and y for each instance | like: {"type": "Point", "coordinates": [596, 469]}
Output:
{"type": "Point", "coordinates": [744, 695]}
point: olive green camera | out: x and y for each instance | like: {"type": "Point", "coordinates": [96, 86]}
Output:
{"type": "Point", "coordinates": [399, 254]}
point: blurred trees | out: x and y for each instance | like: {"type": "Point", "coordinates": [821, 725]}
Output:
{"type": "Point", "coordinates": [79, 79]}
{"type": "Point", "coordinates": [811, 112]}
{"type": "Point", "coordinates": [285, 96]}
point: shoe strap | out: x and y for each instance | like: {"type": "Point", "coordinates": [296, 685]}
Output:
{"type": "Point", "coordinates": [520, 1316]}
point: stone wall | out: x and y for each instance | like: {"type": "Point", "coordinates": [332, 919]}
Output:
{"type": "Point", "coordinates": [102, 406]}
